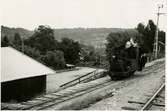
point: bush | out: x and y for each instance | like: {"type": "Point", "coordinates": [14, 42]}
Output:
{"type": "Point", "coordinates": [54, 59]}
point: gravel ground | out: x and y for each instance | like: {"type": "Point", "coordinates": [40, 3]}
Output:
{"type": "Point", "coordinates": [139, 91]}
{"type": "Point", "coordinates": [116, 96]}
{"type": "Point", "coordinates": [55, 80]}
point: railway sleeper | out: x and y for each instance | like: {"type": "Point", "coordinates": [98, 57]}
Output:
{"type": "Point", "coordinates": [161, 96]}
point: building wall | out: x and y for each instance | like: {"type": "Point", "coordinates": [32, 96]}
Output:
{"type": "Point", "coordinates": [23, 89]}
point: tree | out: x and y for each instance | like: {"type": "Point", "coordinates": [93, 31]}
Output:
{"type": "Point", "coordinates": [43, 39]}
{"type": "Point", "coordinates": [71, 50]}
{"type": "Point", "coordinates": [5, 42]}
{"type": "Point", "coordinates": [17, 39]}
{"type": "Point", "coordinates": [148, 35]}
{"type": "Point", "coordinates": [87, 53]}
{"type": "Point", "coordinates": [90, 56]}
{"type": "Point", "coordinates": [118, 39]}
{"type": "Point", "coordinates": [32, 52]}
{"type": "Point", "coordinates": [54, 59]}
{"type": "Point", "coordinates": [141, 28]}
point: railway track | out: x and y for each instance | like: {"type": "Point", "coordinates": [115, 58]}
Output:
{"type": "Point", "coordinates": [49, 100]}
{"type": "Point", "coordinates": [153, 101]}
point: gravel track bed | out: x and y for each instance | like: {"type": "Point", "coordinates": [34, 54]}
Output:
{"type": "Point", "coordinates": [139, 90]}
{"type": "Point", "coordinates": [116, 95]}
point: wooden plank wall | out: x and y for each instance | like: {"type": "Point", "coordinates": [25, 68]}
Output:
{"type": "Point", "coordinates": [23, 89]}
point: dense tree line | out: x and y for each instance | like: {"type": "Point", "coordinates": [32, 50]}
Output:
{"type": "Point", "coordinates": [43, 47]}
{"type": "Point", "coordinates": [144, 36]}
{"type": "Point", "coordinates": [148, 36]}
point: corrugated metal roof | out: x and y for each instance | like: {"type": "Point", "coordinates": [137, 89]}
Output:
{"type": "Point", "coordinates": [16, 65]}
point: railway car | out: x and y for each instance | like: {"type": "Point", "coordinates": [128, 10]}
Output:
{"type": "Point", "coordinates": [125, 61]}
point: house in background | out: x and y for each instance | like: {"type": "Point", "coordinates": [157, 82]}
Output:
{"type": "Point", "coordinates": [21, 76]}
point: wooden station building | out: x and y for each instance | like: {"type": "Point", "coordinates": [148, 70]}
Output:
{"type": "Point", "coordinates": [21, 76]}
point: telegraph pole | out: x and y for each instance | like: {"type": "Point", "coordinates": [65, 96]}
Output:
{"type": "Point", "coordinates": [155, 50]}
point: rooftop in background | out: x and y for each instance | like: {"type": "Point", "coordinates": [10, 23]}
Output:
{"type": "Point", "coordinates": [16, 65]}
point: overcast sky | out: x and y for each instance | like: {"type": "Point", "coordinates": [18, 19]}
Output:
{"type": "Point", "coordinates": [80, 13]}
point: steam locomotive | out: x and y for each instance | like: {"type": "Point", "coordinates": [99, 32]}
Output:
{"type": "Point", "coordinates": [125, 60]}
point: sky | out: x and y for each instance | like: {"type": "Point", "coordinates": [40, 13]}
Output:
{"type": "Point", "coordinates": [30, 14]}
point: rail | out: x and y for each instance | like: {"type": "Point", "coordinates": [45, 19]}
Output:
{"type": "Point", "coordinates": [83, 78]}
{"type": "Point", "coordinates": [148, 104]}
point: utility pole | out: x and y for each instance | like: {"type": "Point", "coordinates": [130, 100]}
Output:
{"type": "Point", "coordinates": [155, 50]}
